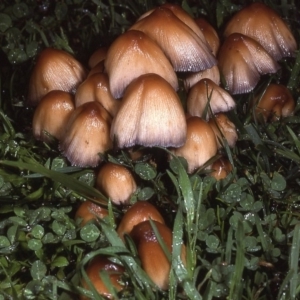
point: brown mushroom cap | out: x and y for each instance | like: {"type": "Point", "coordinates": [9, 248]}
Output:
{"type": "Point", "coordinates": [263, 24]}
{"type": "Point", "coordinates": [221, 168]}
{"type": "Point", "coordinates": [54, 70]}
{"type": "Point", "coordinates": [200, 145]}
{"type": "Point", "coordinates": [137, 213]}
{"type": "Point", "coordinates": [87, 135]}
{"type": "Point", "coordinates": [276, 101]}
{"type": "Point", "coordinates": [133, 54]}
{"type": "Point", "coordinates": [204, 93]}
{"type": "Point", "coordinates": [242, 60]}
{"type": "Point", "coordinates": [116, 182]}
{"type": "Point", "coordinates": [183, 47]}
{"type": "Point", "coordinates": [150, 115]}
{"type": "Point", "coordinates": [52, 115]}
{"type": "Point", "coordinates": [96, 88]}
{"type": "Point", "coordinates": [98, 56]}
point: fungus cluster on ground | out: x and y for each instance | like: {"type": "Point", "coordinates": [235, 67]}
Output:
{"type": "Point", "coordinates": [129, 97]}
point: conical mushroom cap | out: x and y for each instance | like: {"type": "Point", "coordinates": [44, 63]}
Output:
{"type": "Point", "coordinates": [55, 70]}
{"type": "Point", "coordinates": [207, 92]}
{"type": "Point", "coordinates": [150, 115]}
{"type": "Point", "coordinates": [242, 60]}
{"type": "Point", "coordinates": [183, 47]}
{"type": "Point", "coordinates": [87, 135]}
{"type": "Point", "coordinates": [133, 54]}
{"type": "Point", "coordinates": [263, 24]}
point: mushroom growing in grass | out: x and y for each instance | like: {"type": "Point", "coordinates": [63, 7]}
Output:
{"type": "Point", "coordinates": [206, 93]}
{"type": "Point", "coordinates": [200, 145]}
{"type": "Point", "coordinates": [150, 114]}
{"type": "Point", "coordinates": [133, 54]}
{"type": "Point", "coordinates": [242, 61]}
{"type": "Point", "coordinates": [96, 88]}
{"type": "Point", "coordinates": [54, 70]}
{"type": "Point", "coordinates": [184, 48]}
{"type": "Point", "coordinates": [263, 24]}
{"type": "Point", "coordinates": [276, 101]}
{"type": "Point", "coordinates": [116, 182]}
{"type": "Point", "coordinates": [52, 115]}
{"type": "Point", "coordinates": [87, 135]}
{"type": "Point", "coordinates": [137, 213]}
{"type": "Point", "coordinates": [221, 168]}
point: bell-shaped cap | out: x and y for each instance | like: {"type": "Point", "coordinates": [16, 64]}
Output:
{"type": "Point", "coordinates": [87, 135]}
{"type": "Point", "coordinates": [200, 145]}
{"type": "Point", "coordinates": [184, 48]}
{"type": "Point", "coordinates": [52, 115]}
{"type": "Point", "coordinates": [220, 168]}
{"type": "Point", "coordinates": [206, 93]}
{"type": "Point", "coordinates": [54, 70]}
{"type": "Point", "coordinates": [150, 114]}
{"type": "Point", "coordinates": [241, 61]}
{"type": "Point", "coordinates": [96, 88]}
{"type": "Point", "coordinates": [133, 54]}
{"type": "Point", "coordinates": [263, 24]}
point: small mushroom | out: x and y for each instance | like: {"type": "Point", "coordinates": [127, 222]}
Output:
{"type": "Point", "coordinates": [98, 56]}
{"type": "Point", "coordinates": [263, 24]}
{"type": "Point", "coordinates": [54, 70]}
{"type": "Point", "coordinates": [86, 135]}
{"type": "Point", "coordinates": [52, 115]}
{"type": "Point", "coordinates": [200, 145]}
{"type": "Point", "coordinates": [204, 93]}
{"type": "Point", "coordinates": [150, 114]}
{"type": "Point", "coordinates": [276, 101]}
{"type": "Point", "coordinates": [221, 168]}
{"type": "Point", "coordinates": [184, 48]}
{"type": "Point", "coordinates": [133, 54]}
{"type": "Point", "coordinates": [242, 60]}
{"type": "Point", "coordinates": [137, 213]}
{"type": "Point", "coordinates": [116, 182]}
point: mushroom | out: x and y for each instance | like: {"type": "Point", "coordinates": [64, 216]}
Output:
{"type": "Point", "coordinates": [96, 88]}
{"type": "Point", "coordinates": [263, 24]}
{"type": "Point", "coordinates": [116, 182]}
{"type": "Point", "coordinates": [206, 93]}
{"type": "Point", "coordinates": [52, 115]}
{"type": "Point", "coordinates": [221, 168]}
{"type": "Point", "coordinates": [133, 54]}
{"type": "Point", "coordinates": [137, 213]}
{"type": "Point", "coordinates": [242, 60]}
{"type": "Point", "coordinates": [103, 264]}
{"type": "Point", "coordinates": [276, 101]}
{"type": "Point", "coordinates": [153, 258]}
{"type": "Point", "coordinates": [223, 129]}
{"type": "Point", "coordinates": [97, 57]}
{"type": "Point", "coordinates": [150, 114]}
{"type": "Point", "coordinates": [200, 145]}
{"type": "Point", "coordinates": [184, 48]}
{"type": "Point", "coordinates": [54, 70]}
{"type": "Point", "coordinates": [86, 135]}
{"type": "Point", "coordinates": [88, 211]}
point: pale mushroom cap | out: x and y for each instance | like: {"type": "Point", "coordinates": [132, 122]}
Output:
{"type": "Point", "coordinates": [54, 70]}
{"type": "Point", "coordinates": [221, 168]}
{"type": "Point", "coordinates": [116, 182]}
{"type": "Point", "coordinates": [133, 54]}
{"type": "Point", "coordinates": [52, 115]}
{"type": "Point", "coordinates": [150, 115]}
{"type": "Point", "coordinates": [242, 60]}
{"type": "Point", "coordinates": [98, 56]}
{"type": "Point", "coordinates": [276, 101]}
{"type": "Point", "coordinates": [200, 145]}
{"type": "Point", "coordinates": [137, 213]}
{"type": "Point", "coordinates": [223, 128]}
{"type": "Point", "coordinates": [265, 26]}
{"type": "Point", "coordinates": [87, 135]}
{"type": "Point", "coordinates": [204, 93]}
{"type": "Point", "coordinates": [186, 51]}
{"type": "Point", "coordinates": [192, 78]}
{"type": "Point", "coordinates": [96, 88]}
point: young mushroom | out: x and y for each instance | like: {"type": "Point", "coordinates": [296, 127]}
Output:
{"type": "Point", "coordinates": [54, 70]}
{"type": "Point", "coordinates": [86, 135]}
{"type": "Point", "coordinates": [263, 24]}
{"type": "Point", "coordinates": [220, 168]}
{"type": "Point", "coordinates": [150, 114]}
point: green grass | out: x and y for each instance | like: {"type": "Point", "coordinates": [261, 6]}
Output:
{"type": "Point", "coordinates": [242, 233]}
